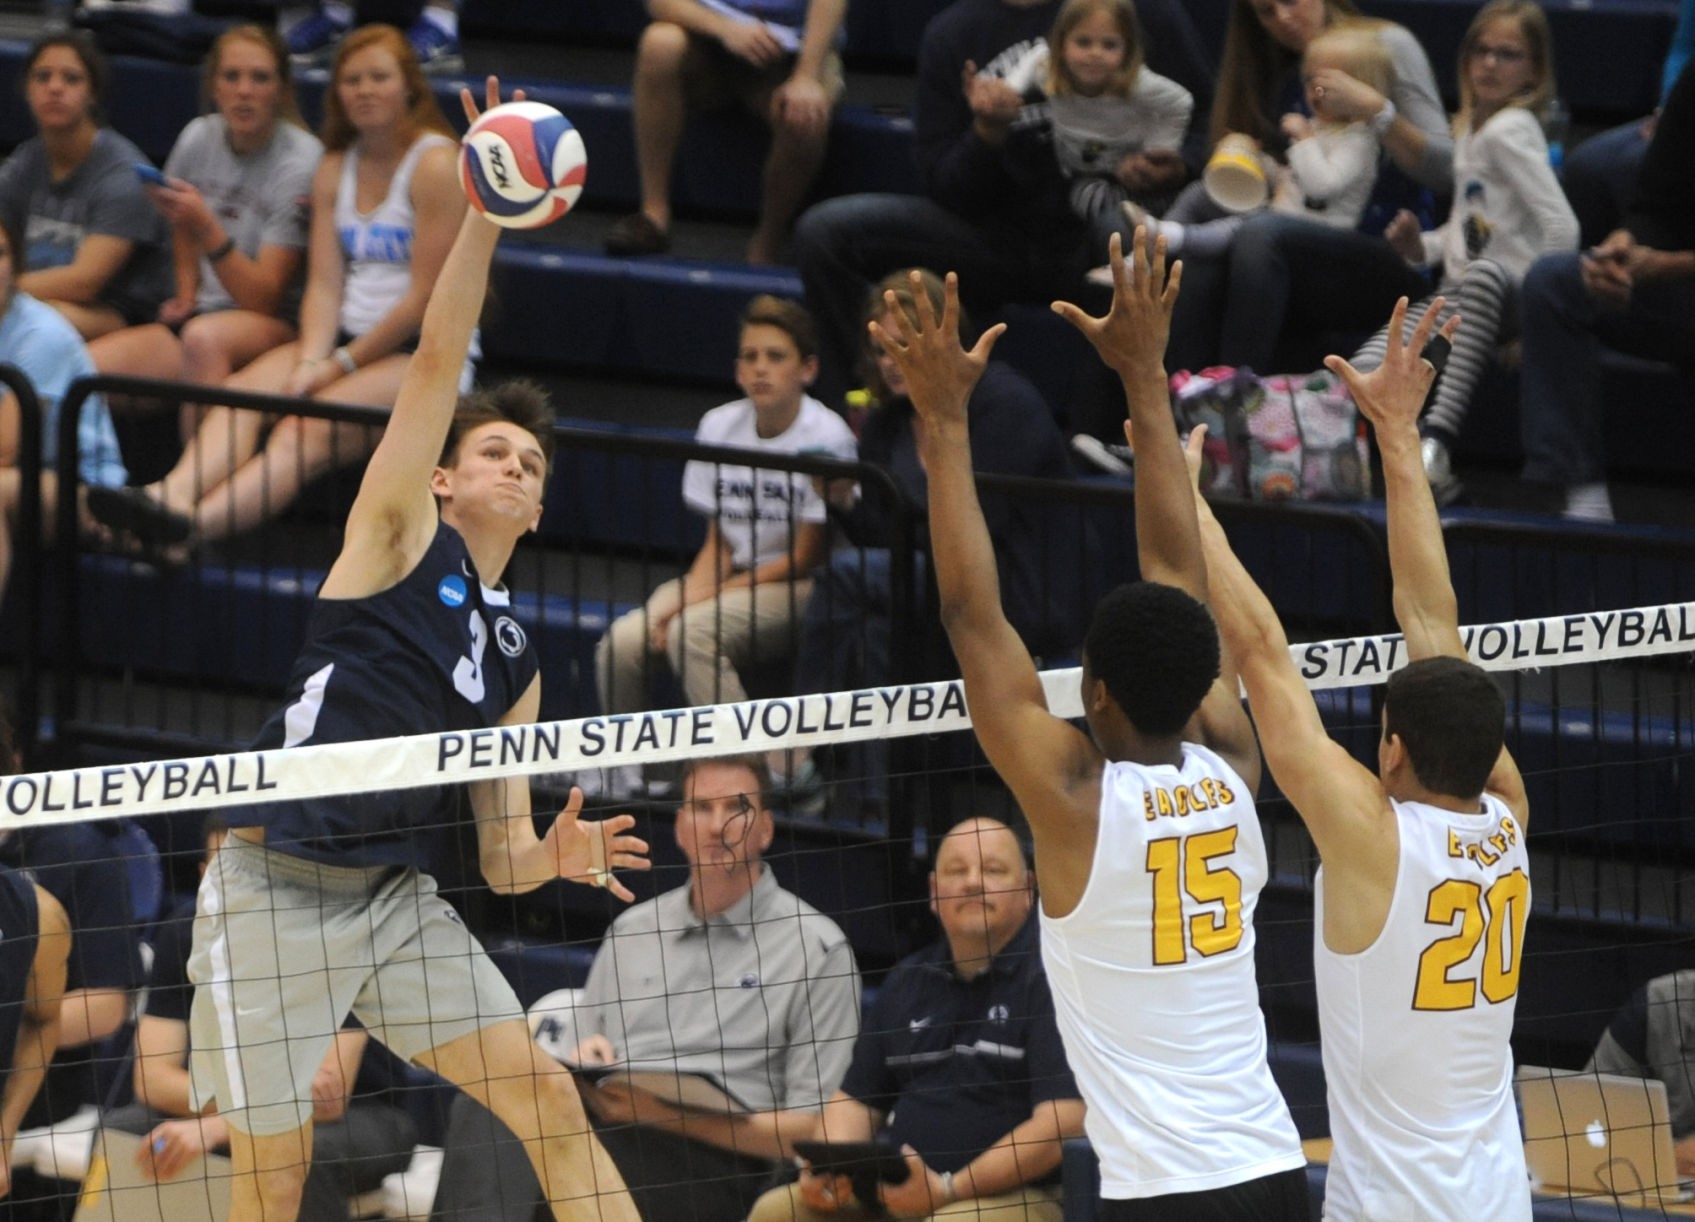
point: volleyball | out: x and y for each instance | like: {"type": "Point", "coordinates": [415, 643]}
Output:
{"type": "Point", "coordinates": [522, 165]}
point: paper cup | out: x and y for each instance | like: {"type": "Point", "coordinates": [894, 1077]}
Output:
{"type": "Point", "coordinates": [1235, 177]}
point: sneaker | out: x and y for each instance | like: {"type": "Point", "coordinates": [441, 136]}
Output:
{"type": "Point", "coordinates": [1439, 470]}
{"type": "Point", "coordinates": [1103, 456]}
{"type": "Point", "coordinates": [439, 53]}
{"type": "Point", "coordinates": [312, 40]}
{"type": "Point", "coordinates": [636, 234]}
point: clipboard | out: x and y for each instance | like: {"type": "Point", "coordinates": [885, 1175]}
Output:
{"type": "Point", "coordinates": [692, 1091]}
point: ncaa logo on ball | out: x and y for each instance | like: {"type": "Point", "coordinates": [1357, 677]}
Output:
{"type": "Point", "coordinates": [523, 165]}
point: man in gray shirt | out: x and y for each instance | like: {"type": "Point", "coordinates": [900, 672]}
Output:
{"type": "Point", "coordinates": [1653, 1036]}
{"type": "Point", "coordinates": [727, 987]}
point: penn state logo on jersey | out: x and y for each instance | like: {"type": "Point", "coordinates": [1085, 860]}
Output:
{"type": "Point", "coordinates": [509, 636]}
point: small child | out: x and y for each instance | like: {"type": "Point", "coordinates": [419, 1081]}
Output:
{"type": "Point", "coordinates": [1332, 165]}
{"type": "Point", "coordinates": [1508, 211]}
{"type": "Point", "coordinates": [1115, 124]}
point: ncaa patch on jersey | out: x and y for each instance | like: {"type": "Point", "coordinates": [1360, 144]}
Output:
{"type": "Point", "coordinates": [451, 591]}
{"type": "Point", "coordinates": [509, 636]}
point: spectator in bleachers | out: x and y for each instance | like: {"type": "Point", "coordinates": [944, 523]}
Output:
{"type": "Point", "coordinates": [1635, 292]}
{"type": "Point", "coordinates": [237, 198]}
{"type": "Point", "coordinates": [1285, 268]}
{"type": "Point", "coordinates": [1508, 209]}
{"type": "Point", "coordinates": [313, 32]}
{"type": "Point", "coordinates": [775, 58]}
{"type": "Point", "coordinates": [1108, 129]}
{"type": "Point", "coordinates": [1007, 243]}
{"type": "Point", "coordinates": [729, 983]}
{"type": "Point", "coordinates": [1599, 174]}
{"type": "Point", "coordinates": [739, 604]}
{"type": "Point", "coordinates": [358, 1136]}
{"type": "Point", "coordinates": [960, 1064]}
{"type": "Point", "coordinates": [82, 867]}
{"type": "Point", "coordinates": [97, 252]}
{"type": "Point", "coordinates": [33, 958]}
{"type": "Point", "coordinates": [846, 633]}
{"type": "Point", "coordinates": [1332, 160]}
{"type": "Point", "coordinates": [386, 203]}
{"type": "Point", "coordinates": [1653, 1036]}
{"type": "Point", "coordinates": [44, 345]}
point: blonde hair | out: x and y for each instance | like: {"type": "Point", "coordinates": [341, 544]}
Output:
{"type": "Point", "coordinates": [1071, 15]}
{"type": "Point", "coordinates": [1356, 47]}
{"type": "Point", "coordinates": [1538, 40]}
{"type": "Point", "coordinates": [288, 106]}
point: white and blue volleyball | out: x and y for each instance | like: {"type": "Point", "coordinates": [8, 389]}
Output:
{"type": "Point", "coordinates": [523, 165]}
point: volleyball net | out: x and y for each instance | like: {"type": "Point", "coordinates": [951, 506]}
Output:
{"type": "Point", "coordinates": [1601, 718]}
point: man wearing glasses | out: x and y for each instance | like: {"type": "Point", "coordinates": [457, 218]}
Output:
{"type": "Point", "coordinates": [717, 1019]}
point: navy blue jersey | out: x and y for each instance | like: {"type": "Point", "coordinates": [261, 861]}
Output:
{"type": "Point", "coordinates": [437, 651]}
{"type": "Point", "coordinates": [20, 926]}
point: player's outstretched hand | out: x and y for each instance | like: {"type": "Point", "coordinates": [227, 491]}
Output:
{"type": "Point", "coordinates": [940, 374]}
{"type": "Point", "coordinates": [1133, 334]}
{"type": "Point", "coordinates": [587, 851]}
{"type": "Point", "coordinates": [491, 90]}
{"type": "Point", "coordinates": [1392, 395]}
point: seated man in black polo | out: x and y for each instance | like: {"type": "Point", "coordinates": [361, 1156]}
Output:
{"type": "Point", "coordinates": [960, 1064]}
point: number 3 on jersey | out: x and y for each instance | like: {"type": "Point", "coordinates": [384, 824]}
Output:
{"type": "Point", "coordinates": [1184, 875]}
{"type": "Point", "coordinates": [1496, 918]}
{"type": "Point", "coordinates": [468, 674]}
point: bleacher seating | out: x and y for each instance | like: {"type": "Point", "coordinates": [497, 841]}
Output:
{"type": "Point", "coordinates": [565, 307]}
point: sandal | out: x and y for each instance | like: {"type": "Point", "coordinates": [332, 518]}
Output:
{"type": "Point", "coordinates": [636, 234]}
{"type": "Point", "coordinates": [133, 510]}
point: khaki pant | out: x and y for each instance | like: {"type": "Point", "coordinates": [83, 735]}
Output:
{"type": "Point", "coordinates": [1027, 1205]}
{"type": "Point", "coordinates": [709, 642]}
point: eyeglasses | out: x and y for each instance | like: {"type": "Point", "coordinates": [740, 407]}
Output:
{"type": "Point", "coordinates": [1501, 55]}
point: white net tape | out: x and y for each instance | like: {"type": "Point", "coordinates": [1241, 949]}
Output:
{"type": "Point", "coordinates": [164, 787]}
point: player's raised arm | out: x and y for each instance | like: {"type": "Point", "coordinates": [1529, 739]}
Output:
{"type": "Point", "coordinates": [1340, 801]}
{"type": "Point", "coordinates": [1426, 608]}
{"type": "Point", "coordinates": [394, 504]}
{"type": "Point", "coordinates": [1391, 397]}
{"type": "Point", "coordinates": [1029, 747]}
{"type": "Point", "coordinates": [1131, 341]}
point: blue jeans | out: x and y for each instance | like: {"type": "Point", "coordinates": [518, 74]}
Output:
{"type": "Point", "coordinates": [1287, 269]}
{"type": "Point", "coordinates": [844, 246]}
{"type": "Point", "coordinates": [1564, 329]}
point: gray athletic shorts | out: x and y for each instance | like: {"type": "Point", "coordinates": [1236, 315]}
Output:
{"type": "Point", "coordinates": [285, 949]}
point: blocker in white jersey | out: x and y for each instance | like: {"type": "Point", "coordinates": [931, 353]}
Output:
{"type": "Point", "coordinates": [1147, 849]}
{"type": "Point", "coordinates": [1424, 890]}
{"type": "Point", "coordinates": [1153, 981]}
{"type": "Point", "coordinates": [1416, 1028]}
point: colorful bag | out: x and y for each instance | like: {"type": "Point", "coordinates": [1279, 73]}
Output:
{"type": "Point", "coordinates": [1285, 437]}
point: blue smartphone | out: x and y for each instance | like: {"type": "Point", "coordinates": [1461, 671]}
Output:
{"type": "Point", "coordinates": [149, 175]}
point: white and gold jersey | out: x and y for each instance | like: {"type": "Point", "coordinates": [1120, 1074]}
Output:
{"type": "Point", "coordinates": [1415, 1028]}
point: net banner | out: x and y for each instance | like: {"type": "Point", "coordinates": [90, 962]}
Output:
{"type": "Point", "coordinates": [453, 757]}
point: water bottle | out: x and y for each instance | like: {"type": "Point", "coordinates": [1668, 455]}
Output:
{"type": "Point", "coordinates": [1557, 127]}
